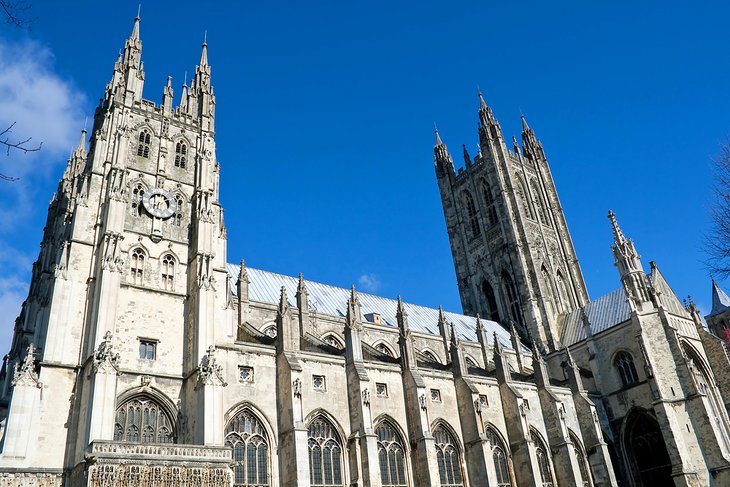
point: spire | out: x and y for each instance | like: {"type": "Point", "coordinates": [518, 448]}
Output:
{"type": "Point", "coordinates": [488, 125]}
{"type": "Point", "coordinates": [628, 262]}
{"type": "Point", "coordinates": [353, 329]}
{"type": "Point", "coordinates": [353, 309]}
{"type": "Point", "coordinates": [525, 128]}
{"type": "Point", "coordinates": [618, 236]}
{"type": "Point", "coordinates": [441, 157]}
{"type": "Point", "coordinates": [242, 282]}
{"type": "Point", "coordinates": [517, 347]}
{"type": "Point", "coordinates": [81, 148]}
{"type": "Point", "coordinates": [483, 341]}
{"type": "Point", "coordinates": [720, 300]}
{"type": "Point", "coordinates": [283, 302]}
{"type": "Point", "coordinates": [405, 341]}
{"type": "Point", "coordinates": [204, 54]}
{"type": "Point", "coordinates": [443, 327]}
{"type": "Point", "coordinates": [167, 97]}
{"type": "Point", "coordinates": [302, 287]}
{"type": "Point", "coordinates": [467, 158]}
{"type": "Point", "coordinates": [516, 146]}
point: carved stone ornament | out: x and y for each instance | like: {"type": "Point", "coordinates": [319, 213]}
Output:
{"type": "Point", "coordinates": [366, 397]}
{"type": "Point", "coordinates": [297, 388]}
{"type": "Point", "coordinates": [210, 373]}
{"type": "Point", "coordinates": [25, 373]}
{"type": "Point", "coordinates": [478, 406]}
{"type": "Point", "coordinates": [422, 401]}
{"type": "Point", "coordinates": [112, 258]}
{"type": "Point", "coordinates": [106, 360]}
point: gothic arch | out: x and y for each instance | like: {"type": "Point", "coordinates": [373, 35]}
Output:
{"type": "Point", "coordinates": [471, 362]}
{"type": "Point", "coordinates": [472, 216]}
{"type": "Point", "coordinates": [539, 201]}
{"type": "Point", "coordinates": [490, 297]}
{"type": "Point", "coordinates": [333, 339]}
{"type": "Point", "coordinates": [454, 473]}
{"type": "Point", "coordinates": [340, 440]}
{"type": "Point", "coordinates": [431, 355]}
{"type": "Point", "coordinates": [266, 327]}
{"type": "Point", "coordinates": [384, 344]}
{"type": "Point", "coordinates": [582, 457]}
{"type": "Point", "coordinates": [392, 474]}
{"type": "Point", "coordinates": [504, 470]}
{"type": "Point", "coordinates": [159, 398]}
{"type": "Point", "coordinates": [512, 301]}
{"type": "Point", "coordinates": [624, 366]}
{"type": "Point", "coordinates": [315, 413]}
{"type": "Point", "coordinates": [265, 420]}
{"type": "Point", "coordinates": [248, 432]}
{"type": "Point", "coordinates": [543, 456]}
{"type": "Point", "coordinates": [644, 449]}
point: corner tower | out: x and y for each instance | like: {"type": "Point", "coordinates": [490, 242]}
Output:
{"type": "Point", "coordinates": [514, 258]}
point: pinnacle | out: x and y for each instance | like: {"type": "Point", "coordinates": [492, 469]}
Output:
{"type": "Point", "coordinates": [135, 28]}
{"type": "Point", "coordinates": [618, 235]}
{"type": "Point", "coordinates": [438, 138]}
{"type": "Point", "coordinates": [204, 55]}
{"type": "Point", "coordinates": [482, 103]}
{"type": "Point", "coordinates": [525, 127]}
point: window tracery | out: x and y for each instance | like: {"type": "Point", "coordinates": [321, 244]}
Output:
{"type": "Point", "coordinates": [512, 298]}
{"type": "Point", "coordinates": [447, 457]}
{"type": "Point", "coordinates": [334, 341]}
{"type": "Point", "coordinates": [391, 455]}
{"type": "Point", "coordinates": [177, 217]}
{"type": "Point", "coordinates": [247, 436]}
{"type": "Point", "coordinates": [499, 458]}
{"type": "Point", "coordinates": [543, 461]}
{"type": "Point", "coordinates": [384, 349]}
{"type": "Point", "coordinates": [539, 203]}
{"type": "Point", "coordinates": [489, 204]}
{"type": "Point", "coordinates": [582, 461]}
{"type": "Point", "coordinates": [142, 420]}
{"type": "Point", "coordinates": [143, 146]}
{"type": "Point", "coordinates": [168, 272]}
{"type": "Point", "coordinates": [624, 363]}
{"type": "Point", "coordinates": [181, 155]}
{"type": "Point", "coordinates": [136, 202]}
{"type": "Point", "coordinates": [136, 268]}
{"type": "Point", "coordinates": [471, 212]}
{"type": "Point", "coordinates": [325, 454]}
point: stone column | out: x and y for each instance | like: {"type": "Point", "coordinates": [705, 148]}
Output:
{"type": "Point", "coordinates": [24, 410]}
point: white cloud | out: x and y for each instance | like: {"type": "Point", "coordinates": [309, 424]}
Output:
{"type": "Point", "coordinates": [368, 282]}
{"type": "Point", "coordinates": [49, 108]}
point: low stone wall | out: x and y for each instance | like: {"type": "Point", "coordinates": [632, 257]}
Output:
{"type": "Point", "coordinates": [11, 478]}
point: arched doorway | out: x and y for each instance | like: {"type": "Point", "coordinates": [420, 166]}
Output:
{"type": "Point", "coordinates": [646, 451]}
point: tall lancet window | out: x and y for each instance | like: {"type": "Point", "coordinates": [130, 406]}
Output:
{"type": "Point", "coordinates": [522, 193]}
{"type": "Point", "coordinates": [247, 436]}
{"type": "Point", "coordinates": [513, 303]}
{"type": "Point", "coordinates": [136, 268]}
{"type": "Point", "coordinates": [543, 461]}
{"type": "Point", "coordinates": [539, 203]}
{"type": "Point", "coordinates": [582, 460]}
{"type": "Point", "coordinates": [143, 146]}
{"type": "Point", "coordinates": [471, 212]}
{"type": "Point", "coordinates": [489, 204]}
{"type": "Point", "coordinates": [447, 457]}
{"type": "Point", "coordinates": [177, 217]}
{"type": "Point", "coordinates": [168, 273]}
{"type": "Point", "coordinates": [137, 193]}
{"type": "Point", "coordinates": [563, 291]}
{"type": "Point", "coordinates": [391, 455]}
{"type": "Point", "coordinates": [181, 155]}
{"type": "Point", "coordinates": [325, 454]}
{"type": "Point", "coordinates": [624, 363]}
{"type": "Point", "coordinates": [499, 458]}
{"type": "Point", "coordinates": [143, 420]}
{"type": "Point", "coordinates": [491, 301]}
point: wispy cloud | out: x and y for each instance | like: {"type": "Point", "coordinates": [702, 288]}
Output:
{"type": "Point", "coordinates": [369, 282]}
{"type": "Point", "coordinates": [49, 108]}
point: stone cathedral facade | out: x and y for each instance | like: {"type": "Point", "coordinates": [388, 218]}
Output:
{"type": "Point", "coordinates": [142, 357]}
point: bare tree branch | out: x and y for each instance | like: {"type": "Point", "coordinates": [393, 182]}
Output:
{"type": "Point", "coordinates": [717, 242]}
{"type": "Point", "coordinates": [21, 145]}
{"type": "Point", "coordinates": [15, 11]}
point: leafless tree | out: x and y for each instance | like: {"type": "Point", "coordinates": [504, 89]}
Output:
{"type": "Point", "coordinates": [718, 239]}
{"type": "Point", "coordinates": [23, 146]}
{"type": "Point", "coordinates": [15, 12]}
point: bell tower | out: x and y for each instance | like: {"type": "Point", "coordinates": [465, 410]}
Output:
{"type": "Point", "coordinates": [514, 258]}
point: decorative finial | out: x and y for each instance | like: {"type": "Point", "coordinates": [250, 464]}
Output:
{"type": "Point", "coordinates": [618, 235]}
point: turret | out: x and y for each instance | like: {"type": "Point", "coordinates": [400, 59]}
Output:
{"type": "Point", "coordinates": [353, 329]}
{"type": "Point", "coordinates": [441, 158]}
{"type": "Point", "coordinates": [128, 78]}
{"type": "Point", "coordinates": [201, 91]}
{"type": "Point", "coordinates": [533, 148]}
{"type": "Point", "coordinates": [405, 340]}
{"type": "Point", "coordinates": [628, 262]}
{"type": "Point", "coordinates": [489, 128]}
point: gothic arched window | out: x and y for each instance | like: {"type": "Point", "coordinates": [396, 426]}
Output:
{"type": "Point", "coordinates": [525, 199]}
{"type": "Point", "coordinates": [177, 217]}
{"type": "Point", "coordinates": [513, 303]}
{"type": "Point", "coordinates": [136, 268]}
{"type": "Point", "coordinates": [548, 285]}
{"type": "Point", "coordinates": [181, 155]}
{"type": "Point", "coordinates": [543, 461]}
{"type": "Point", "coordinates": [334, 341]}
{"type": "Point", "coordinates": [539, 203]}
{"type": "Point", "coordinates": [391, 455]}
{"type": "Point", "coordinates": [582, 460]}
{"type": "Point", "coordinates": [491, 300]}
{"type": "Point", "coordinates": [325, 454]}
{"type": "Point", "coordinates": [624, 363]}
{"type": "Point", "coordinates": [563, 291]}
{"type": "Point", "coordinates": [470, 363]}
{"type": "Point", "coordinates": [499, 458]}
{"type": "Point", "coordinates": [489, 204]}
{"type": "Point", "coordinates": [447, 457]}
{"type": "Point", "coordinates": [384, 349]}
{"type": "Point", "coordinates": [247, 436]}
{"type": "Point", "coordinates": [137, 193]}
{"type": "Point", "coordinates": [431, 356]}
{"type": "Point", "coordinates": [143, 148]}
{"type": "Point", "coordinates": [168, 272]}
{"type": "Point", "coordinates": [142, 420]}
{"type": "Point", "coordinates": [471, 212]}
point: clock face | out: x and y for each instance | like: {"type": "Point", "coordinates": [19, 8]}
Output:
{"type": "Point", "coordinates": [159, 203]}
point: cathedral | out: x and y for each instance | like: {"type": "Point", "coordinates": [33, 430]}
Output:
{"type": "Point", "coordinates": [143, 357]}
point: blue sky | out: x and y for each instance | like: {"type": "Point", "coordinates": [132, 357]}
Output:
{"type": "Point", "coordinates": [325, 114]}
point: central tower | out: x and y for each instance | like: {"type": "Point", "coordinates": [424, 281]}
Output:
{"type": "Point", "coordinates": [514, 258]}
